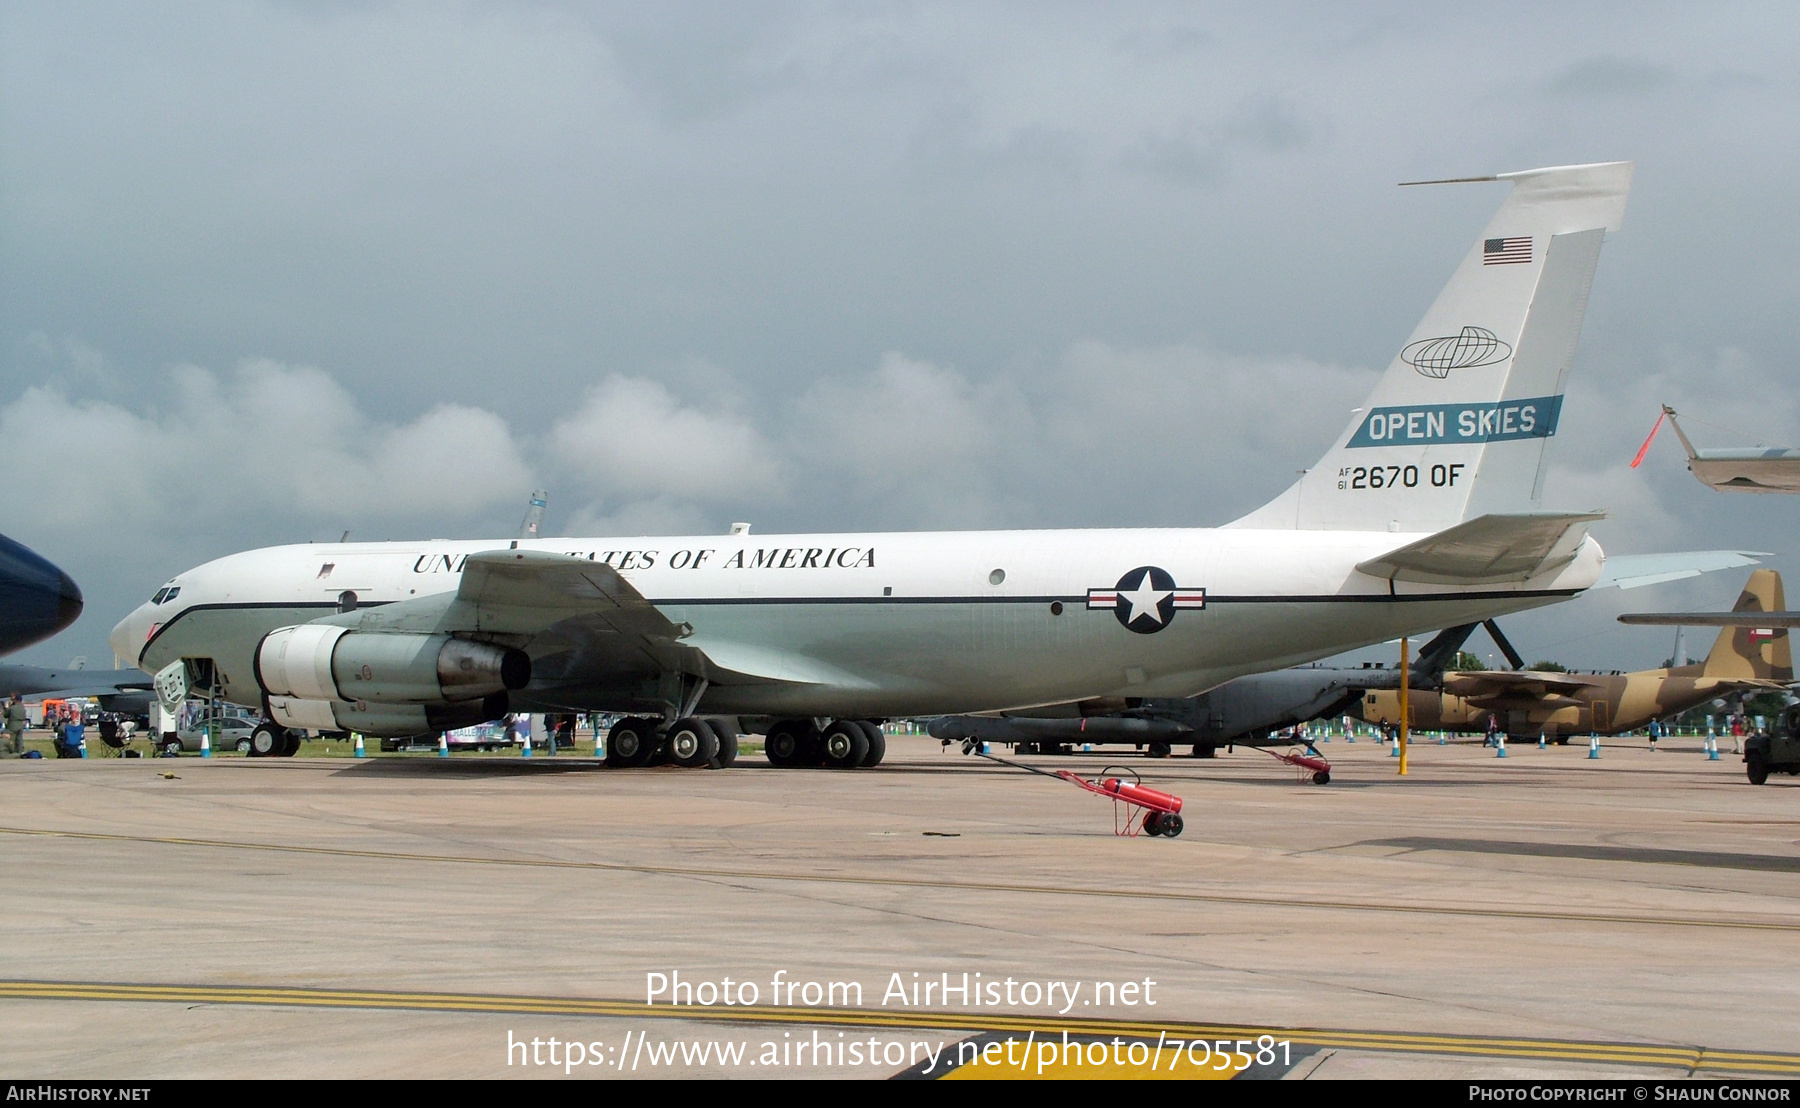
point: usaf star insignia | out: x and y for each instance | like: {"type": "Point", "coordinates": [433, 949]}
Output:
{"type": "Point", "coordinates": [1145, 599]}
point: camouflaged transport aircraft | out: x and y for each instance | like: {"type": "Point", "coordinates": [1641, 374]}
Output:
{"type": "Point", "coordinates": [1527, 703]}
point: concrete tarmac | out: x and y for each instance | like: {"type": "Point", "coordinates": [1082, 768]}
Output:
{"type": "Point", "coordinates": [1541, 915]}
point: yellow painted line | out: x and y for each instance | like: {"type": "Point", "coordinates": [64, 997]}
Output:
{"type": "Point", "coordinates": [1650, 1054]}
{"type": "Point", "coordinates": [1616, 919]}
{"type": "Point", "coordinates": [1162, 1069]}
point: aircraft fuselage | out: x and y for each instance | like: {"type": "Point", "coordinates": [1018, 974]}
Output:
{"type": "Point", "coordinates": [880, 625]}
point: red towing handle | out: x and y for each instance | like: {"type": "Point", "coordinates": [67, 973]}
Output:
{"type": "Point", "coordinates": [1142, 795]}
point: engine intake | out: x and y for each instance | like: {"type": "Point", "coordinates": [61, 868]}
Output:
{"type": "Point", "coordinates": [317, 662]}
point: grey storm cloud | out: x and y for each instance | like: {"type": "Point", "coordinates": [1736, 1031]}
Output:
{"type": "Point", "coordinates": [1611, 75]}
{"type": "Point", "coordinates": [269, 272]}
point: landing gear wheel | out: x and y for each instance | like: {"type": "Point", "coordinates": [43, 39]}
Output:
{"type": "Point", "coordinates": [877, 744]}
{"type": "Point", "coordinates": [845, 745]}
{"type": "Point", "coordinates": [267, 741]}
{"type": "Point", "coordinates": [1321, 777]}
{"type": "Point", "coordinates": [785, 743]}
{"type": "Point", "coordinates": [1201, 750]}
{"type": "Point", "coordinates": [1757, 770]}
{"type": "Point", "coordinates": [1171, 824]}
{"type": "Point", "coordinates": [290, 744]}
{"type": "Point", "coordinates": [726, 730]}
{"type": "Point", "coordinates": [630, 743]}
{"type": "Point", "coordinates": [692, 743]}
{"type": "Point", "coordinates": [1159, 748]}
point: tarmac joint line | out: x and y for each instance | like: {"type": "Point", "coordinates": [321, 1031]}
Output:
{"type": "Point", "coordinates": [869, 880]}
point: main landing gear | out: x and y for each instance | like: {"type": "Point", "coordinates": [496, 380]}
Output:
{"type": "Point", "coordinates": [691, 743]}
{"type": "Point", "coordinates": [841, 744]}
{"type": "Point", "coordinates": [272, 741]}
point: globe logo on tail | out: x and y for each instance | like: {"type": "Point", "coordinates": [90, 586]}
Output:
{"type": "Point", "coordinates": [1473, 346]}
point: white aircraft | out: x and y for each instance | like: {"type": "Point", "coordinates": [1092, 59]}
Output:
{"type": "Point", "coordinates": [1732, 469]}
{"type": "Point", "coordinates": [1426, 513]}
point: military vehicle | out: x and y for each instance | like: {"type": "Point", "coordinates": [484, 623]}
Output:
{"type": "Point", "coordinates": [1776, 751]}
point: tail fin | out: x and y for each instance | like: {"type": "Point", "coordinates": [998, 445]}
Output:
{"type": "Point", "coordinates": [1457, 426]}
{"type": "Point", "coordinates": [1754, 652]}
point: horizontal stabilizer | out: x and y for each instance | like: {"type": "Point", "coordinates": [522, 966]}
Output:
{"type": "Point", "coordinates": [1630, 571]}
{"type": "Point", "coordinates": [1498, 682]}
{"type": "Point", "coordinates": [1713, 619]}
{"type": "Point", "coordinates": [1489, 549]}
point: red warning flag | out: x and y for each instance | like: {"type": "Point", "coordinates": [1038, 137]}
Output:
{"type": "Point", "coordinates": [1645, 449]}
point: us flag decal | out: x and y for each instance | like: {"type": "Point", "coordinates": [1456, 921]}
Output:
{"type": "Point", "coordinates": [1514, 251]}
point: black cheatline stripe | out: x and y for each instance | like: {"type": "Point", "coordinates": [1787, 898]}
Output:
{"type": "Point", "coordinates": [1369, 598]}
{"type": "Point", "coordinates": [789, 601]}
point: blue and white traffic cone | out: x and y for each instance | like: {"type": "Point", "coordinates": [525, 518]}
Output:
{"type": "Point", "coordinates": [1501, 745]}
{"type": "Point", "coordinates": [525, 751]}
{"type": "Point", "coordinates": [205, 745]}
{"type": "Point", "coordinates": [443, 745]}
{"type": "Point", "coordinates": [1395, 753]}
{"type": "Point", "coordinates": [357, 750]}
{"type": "Point", "coordinates": [1541, 745]}
{"type": "Point", "coordinates": [1593, 745]}
{"type": "Point", "coordinates": [1442, 739]}
{"type": "Point", "coordinates": [599, 744]}
{"type": "Point", "coordinates": [1712, 747]}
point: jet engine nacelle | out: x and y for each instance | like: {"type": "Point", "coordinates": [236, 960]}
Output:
{"type": "Point", "coordinates": [317, 662]}
{"type": "Point", "coordinates": [385, 720]}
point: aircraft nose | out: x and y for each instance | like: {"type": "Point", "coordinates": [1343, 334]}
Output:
{"type": "Point", "coordinates": [127, 636]}
{"type": "Point", "coordinates": [68, 601]}
{"type": "Point", "coordinates": [37, 599]}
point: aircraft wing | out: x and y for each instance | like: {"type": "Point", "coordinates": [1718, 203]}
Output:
{"type": "Point", "coordinates": [527, 591]}
{"type": "Point", "coordinates": [1630, 571]}
{"type": "Point", "coordinates": [577, 614]}
{"type": "Point", "coordinates": [1488, 549]}
{"type": "Point", "coordinates": [513, 594]}
{"type": "Point", "coordinates": [36, 681]}
{"type": "Point", "coordinates": [1497, 682]}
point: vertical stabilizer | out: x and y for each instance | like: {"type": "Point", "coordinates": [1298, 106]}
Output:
{"type": "Point", "coordinates": [1457, 426]}
{"type": "Point", "coordinates": [534, 515]}
{"type": "Point", "coordinates": [1758, 653]}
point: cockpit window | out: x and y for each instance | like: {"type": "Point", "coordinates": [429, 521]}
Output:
{"type": "Point", "coordinates": [163, 596]}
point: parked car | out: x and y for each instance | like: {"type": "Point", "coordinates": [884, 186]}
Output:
{"type": "Point", "coordinates": [233, 733]}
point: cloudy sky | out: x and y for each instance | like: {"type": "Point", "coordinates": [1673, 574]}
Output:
{"type": "Point", "coordinates": [270, 272]}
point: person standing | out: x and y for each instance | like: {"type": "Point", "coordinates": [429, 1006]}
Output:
{"type": "Point", "coordinates": [1493, 731]}
{"type": "Point", "coordinates": [17, 721]}
{"type": "Point", "coordinates": [1655, 732]}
